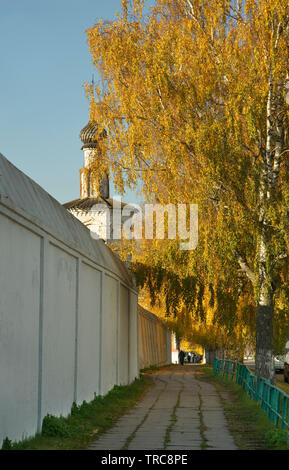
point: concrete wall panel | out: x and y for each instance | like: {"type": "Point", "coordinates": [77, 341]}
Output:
{"type": "Point", "coordinates": [88, 338]}
{"type": "Point", "coordinates": [123, 337]}
{"type": "Point", "coordinates": [154, 342]}
{"type": "Point", "coordinates": [109, 334]}
{"type": "Point", "coordinates": [133, 337]}
{"type": "Point", "coordinates": [19, 329]}
{"type": "Point", "coordinates": [59, 333]}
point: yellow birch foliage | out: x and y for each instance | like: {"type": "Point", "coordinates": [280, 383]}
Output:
{"type": "Point", "coordinates": [193, 102]}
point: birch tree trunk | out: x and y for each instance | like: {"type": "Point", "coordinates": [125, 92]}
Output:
{"type": "Point", "coordinates": [264, 359]}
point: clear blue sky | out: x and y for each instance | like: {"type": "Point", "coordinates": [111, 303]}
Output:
{"type": "Point", "coordinates": [44, 62]}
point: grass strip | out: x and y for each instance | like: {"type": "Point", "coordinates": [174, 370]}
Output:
{"type": "Point", "coordinates": [202, 427]}
{"type": "Point", "coordinates": [283, 385]}
{"type": "Point", "coordinates": [86, 422]}
{"type": "Point", "coordinates": [247, 422]}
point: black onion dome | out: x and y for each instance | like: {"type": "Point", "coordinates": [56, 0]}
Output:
{"type": "Point", "coordinates": [90, 134]}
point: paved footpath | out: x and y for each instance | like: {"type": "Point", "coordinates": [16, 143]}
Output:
{"type": "Point", "coordinates": [179, 413]}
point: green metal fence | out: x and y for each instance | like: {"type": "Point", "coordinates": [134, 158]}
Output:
{"type": "Point", "coordinates": [272, 399]}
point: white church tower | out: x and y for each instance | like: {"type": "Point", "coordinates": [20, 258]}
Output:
{"type": "Point", "coordinates": [89, 135]}
{"type": "Point", "coordinates": [94, 208]}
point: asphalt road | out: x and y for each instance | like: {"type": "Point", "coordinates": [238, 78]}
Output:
{"type": "Point", "coordinates": [251, 365]}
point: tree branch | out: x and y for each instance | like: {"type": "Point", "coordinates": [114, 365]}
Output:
{"type": "Point", "coordinates": [245, 268]}
{"type": "Point", "coordinates": [280, 257]}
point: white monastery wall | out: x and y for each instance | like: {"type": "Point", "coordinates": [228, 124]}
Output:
{"type": "Point", "coordinates": [68, 310]}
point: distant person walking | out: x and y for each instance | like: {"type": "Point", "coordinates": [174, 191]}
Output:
{"type": "Point", "coordinates": [189, 357]}
{"type": "Point", "coordinates": [181, 357]}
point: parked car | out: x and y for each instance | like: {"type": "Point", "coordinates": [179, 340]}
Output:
{"type": "Point", "coordinates": [279, 363]}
